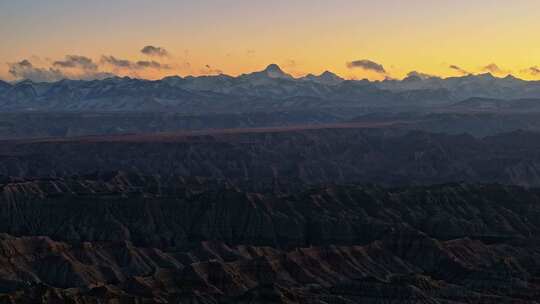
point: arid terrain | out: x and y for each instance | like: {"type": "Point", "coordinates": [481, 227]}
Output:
{"type": "Point", "coordinates": [375, 153]}
{"type": "Point", "coordinates": [138, 239]}
{"type": "Point", "coordinates": [343, 213]}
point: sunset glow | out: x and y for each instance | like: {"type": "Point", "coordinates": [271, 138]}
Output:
{"type": "Point", "coordinates": [240, 36]}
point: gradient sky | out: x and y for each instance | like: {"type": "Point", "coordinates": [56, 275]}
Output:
{"type": "Point", "coordinates": [302, 36]}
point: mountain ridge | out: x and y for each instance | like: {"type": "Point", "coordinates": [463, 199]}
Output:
{"type": "Point", "coordinates": [267, 90]}
{"type": "Point", "coordinates": [275, 68]}
{"type": "Point", "coordinates": [376, 154]}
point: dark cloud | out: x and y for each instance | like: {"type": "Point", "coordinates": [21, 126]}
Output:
{"type": "Point", "coordinates": [76, 61]}
{"type": "Point", "coordinates": [132, 65]}
{"type": "Point", "coordinates": [156, 51]}
{"type": "Point", "coordinates": [26, 70]}
{"type": "Point", "coordinates": [367, 65]}
{"type": "Point", "coordinates": [458, 69]}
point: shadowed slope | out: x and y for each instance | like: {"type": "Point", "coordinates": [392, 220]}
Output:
{"type": "Point", "coordinates": [135, 238]}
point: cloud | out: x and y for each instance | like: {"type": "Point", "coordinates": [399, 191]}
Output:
{"type": "Point", "coordinates": [152, 65]}
{"type": "Point", "coordinates": [154, 51]}
{"type": "Point", "coordinates": [534, 70]}
{"type": "Point", "coordinates": [211, 70]}
{"type": "Point", "coordinates": [25, 64]}
{"type": "Point", "coordinates": [80, 68]}
{"type": "Point", "coordinates": [494, 69]}
{"type": "Point", "coordinates": [420, 75]}
{"type": "Point", "coordinates": [367, 65]}
{"type": "Point", "coordinates": [458, 69]}
{"type": "Point", "coordinates": [148, 64]}
{"type": "Point", "coordinates": [26, 70]}
{"type": "Point", "coordinates": [73, 67]}
{"type": "Point", "coordinates": [118, 63]}
{"type": "Point", "coordinates": [133, 65]}
{"type": "Point", "coordinates": [76, 61]}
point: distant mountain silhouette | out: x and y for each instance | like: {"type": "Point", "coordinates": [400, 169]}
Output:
{"type": "Point", "coordinates": [265, 90]}
{"type": "Point", "coordinates": [326, 77]}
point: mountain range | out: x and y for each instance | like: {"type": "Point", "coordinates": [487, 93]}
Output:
{"type": "Point", "coordinates": [268, 90]}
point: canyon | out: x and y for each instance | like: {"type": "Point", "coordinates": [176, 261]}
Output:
{"type": "Point", "coordinates": [142, 239]}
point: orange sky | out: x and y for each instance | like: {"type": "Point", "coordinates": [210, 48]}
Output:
{"type": "Point", "coordinates": [238, 36]}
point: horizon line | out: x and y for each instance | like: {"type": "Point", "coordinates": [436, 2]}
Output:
{"type": "Point", "coordinates": [289, 76]}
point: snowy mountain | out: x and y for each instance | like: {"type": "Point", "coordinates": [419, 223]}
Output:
{"type": "Point", "coordinates": [327, 78]}
{"type": "Point", "coordinates": [4, 86]}
{"type": "Point", "coordinates": [483, 85]}
{"type": "Point", "coordinates": [266, 90]}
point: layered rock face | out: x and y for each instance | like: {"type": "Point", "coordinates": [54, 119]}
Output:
{"type": "Point", "coordinates": [386, 156]}
{"type": "Point", "coordinates": [271, 216]}
{"type": "Point", "coordinates": [402, 268]}
{"type": "Point", "coordinates": [129, 238]}
{"type": "Point", "coordinates": [178, 212]}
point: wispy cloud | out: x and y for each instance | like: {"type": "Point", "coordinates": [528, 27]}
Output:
{"type": "Point", "coordinates": [458, 69]}
{"type": "Point", "coordinates": [152, 65]}
{"type": "Point", "coordinates": [534, 71]}
{"type": "Point", "coordinates": [26, 70]}
{"type": "Point", "coordinates": [133, 65]}
{"type": "Point", "coordinates": [73, 67]}
{"type": "Point", "coordinates": [495, 69]}
{"type": "Point", "coordinates": [420, 75]}
{"type": "Point", "coordinates": [115, 62]}
{"type": "Point", "coordinates": [367, 65]}
{"type": "Point", "coordinates": [85, 68]}
{"type": "Point", "coordinates": [76, 61]}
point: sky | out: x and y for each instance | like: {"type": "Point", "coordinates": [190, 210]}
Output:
{"type": "Point", "coordinates": [356, 39]}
